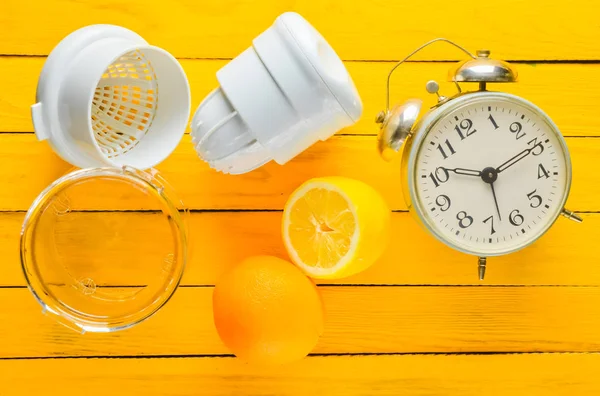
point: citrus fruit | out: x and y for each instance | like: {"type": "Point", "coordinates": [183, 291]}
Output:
{"type": "Point", "coordinates": [334, 227]}
{"type": "Point", "coordinates": [267, 311]}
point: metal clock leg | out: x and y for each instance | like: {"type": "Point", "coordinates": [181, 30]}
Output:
{"type": "Point", "coordinates": [571, 215]}
{"type": "Point", "coordinates": [482, 262]}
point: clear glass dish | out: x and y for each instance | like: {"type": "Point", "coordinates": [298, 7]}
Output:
{"type": "Point", "coordinates": [104, 249]}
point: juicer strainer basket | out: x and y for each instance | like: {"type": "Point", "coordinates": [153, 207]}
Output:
{"type": "Point", "coordinates": [124, 104]}
{"type": "Point", "coordinates": [107, 98]}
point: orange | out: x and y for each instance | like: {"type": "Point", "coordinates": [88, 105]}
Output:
{"type": "Point", "coordinates": [267, 311]}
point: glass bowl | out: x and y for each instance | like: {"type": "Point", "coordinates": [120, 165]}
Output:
{"type": "Point", "coordinates": [103, 249]}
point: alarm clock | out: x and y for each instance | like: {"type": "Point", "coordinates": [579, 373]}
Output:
{"type": "Point", "coordinates": [486, 173]}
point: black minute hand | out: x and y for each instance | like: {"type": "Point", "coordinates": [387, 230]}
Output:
{"type": "Point", "coordinates": [496, 201]}
{"type": "Point", "coordinates": [514, 160]}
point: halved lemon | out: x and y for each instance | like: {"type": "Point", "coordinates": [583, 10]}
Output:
{"type": "Point", "coordinates": [334, 227]}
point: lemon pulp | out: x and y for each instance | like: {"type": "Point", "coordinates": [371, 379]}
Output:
{"type": "Point", "coordinates": [334, 227]}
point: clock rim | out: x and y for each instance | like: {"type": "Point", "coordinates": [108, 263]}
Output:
{"type": "Point", "coordinates": [428, 122]}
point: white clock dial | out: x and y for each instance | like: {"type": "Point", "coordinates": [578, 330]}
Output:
{"type": "Point", "coordinates": [491, 175]}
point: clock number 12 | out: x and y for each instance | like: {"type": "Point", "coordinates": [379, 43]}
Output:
{"type": "Point", "coordinates": [465, 125]}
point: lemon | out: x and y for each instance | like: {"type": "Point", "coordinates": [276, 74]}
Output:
{"type": "Point", "coordinates": [334, 227]}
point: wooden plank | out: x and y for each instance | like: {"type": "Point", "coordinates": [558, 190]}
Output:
{"type": "Point", "coordinates": [368, 29]}
{"type": "Point", "coordinates": [28, 167]}
{"type": "Point", "coordinates": [448, 375]}
{"type": "Point", "coordinates": [358, 320]}
{"type": "Point", "coordinates": [567, 92]}
{"type": "Point", "coordinates": [220, 240]}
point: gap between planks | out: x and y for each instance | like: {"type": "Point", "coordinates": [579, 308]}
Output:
{"type": "Point", "coordinates": [363, 135]}
{"type": "Point", "coordinates": [391, 61]}
{"type": "Point", "coordinates": [222, 211]}
{"type": "Point", "coordinates": [353, 285]}
{"type": "Point", "coordinates": [312, 355]}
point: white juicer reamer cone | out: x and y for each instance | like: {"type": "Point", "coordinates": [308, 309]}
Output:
{"type": "Point", "coordinates": [276, 99]}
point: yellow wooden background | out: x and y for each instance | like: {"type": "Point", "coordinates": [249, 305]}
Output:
{"type": "Point", "coordinates": [418, 322]}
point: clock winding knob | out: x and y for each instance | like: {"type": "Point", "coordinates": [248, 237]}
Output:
{"type": "Point", "coordinates": [433, 87]}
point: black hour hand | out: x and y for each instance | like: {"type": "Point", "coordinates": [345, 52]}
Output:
{"type": "Point", "coordinates": [465, 172]}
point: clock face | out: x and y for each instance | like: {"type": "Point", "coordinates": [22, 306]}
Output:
{"type": "Point", "coordinates": [491, 175]}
